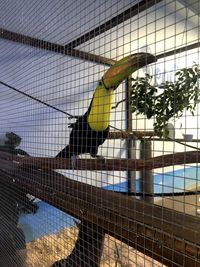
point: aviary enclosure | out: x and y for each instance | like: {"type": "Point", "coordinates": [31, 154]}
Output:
{"type": "Point", "coordinates": [99, 133]}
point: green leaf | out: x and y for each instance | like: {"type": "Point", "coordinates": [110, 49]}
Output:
{"type": "Point", "coordinates": [176, 96]}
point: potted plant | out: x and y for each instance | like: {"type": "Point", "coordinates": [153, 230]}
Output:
{"type": "Point", "coordinates": [167, 100]}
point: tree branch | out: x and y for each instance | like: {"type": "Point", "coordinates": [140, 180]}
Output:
{"type": "Point", "coordinates": [139, 224]}
{"type": "Point", "coordinates": [117, 164]}
{"type": "Point", "coordinates": [117, 104]}
{"type": "Point", "coordinates": [130, 134]}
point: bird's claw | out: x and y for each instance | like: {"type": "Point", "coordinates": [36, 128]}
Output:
{"type": "Point", "coordinates": [74, 159]}
{"type": "Point", "coordinates": [101, 158]}
{"type": "Point", "coordinates": [70, 125]}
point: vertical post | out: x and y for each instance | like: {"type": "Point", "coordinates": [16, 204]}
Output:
{"type": "Point", "coordinates": [130, 142]}
{"type": "Point", "coordinates": [88, 248]}
{"type": "Point", "coordinates": [147, 184]}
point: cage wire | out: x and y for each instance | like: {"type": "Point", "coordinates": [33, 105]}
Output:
{"type": "Point", "coordinates": [99, 136]}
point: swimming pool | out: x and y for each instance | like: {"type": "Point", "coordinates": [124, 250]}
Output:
{"type": "Point", "coordinates": [38, 225]}
{"type": "Point", "coordinates": [169, 182]}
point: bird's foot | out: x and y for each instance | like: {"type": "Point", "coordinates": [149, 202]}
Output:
{"type": "Point", "coordinates": [74, 159]}
{"type": "Point", "coordinates": [101, 158]}
{"type": "Point", "coordinates": [70, 125]}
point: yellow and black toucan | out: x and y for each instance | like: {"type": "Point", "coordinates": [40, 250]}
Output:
{"type": "Point", "coordinates": [91, 130]}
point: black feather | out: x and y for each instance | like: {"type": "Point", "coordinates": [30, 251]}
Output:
{"type": "Point", "coordinates": [83, 139]}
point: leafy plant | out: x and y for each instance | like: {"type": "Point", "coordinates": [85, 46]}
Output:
{"type": "Point", "coordinates": [183, 94]}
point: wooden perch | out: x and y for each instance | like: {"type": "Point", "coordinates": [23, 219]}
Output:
{"type": "Point", "coordinates": [110, 164]}
{"type": "Point", "coordinates": [159, 232]}
{"type": "Point", "coordinates": [128, 134]}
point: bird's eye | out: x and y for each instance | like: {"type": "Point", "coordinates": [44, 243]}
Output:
{"type": "Point", "coordinates": [100, 83]}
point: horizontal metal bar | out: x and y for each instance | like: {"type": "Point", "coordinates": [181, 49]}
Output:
{"type": "Point", "coordinates": [57, 48]}
{"type": "Point", "coordinates": [120, 18]}
{"type": "Point", "coordinates": [178, 50]}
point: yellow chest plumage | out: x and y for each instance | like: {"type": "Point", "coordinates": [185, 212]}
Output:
{"type": "Point", "coordinates": [99, 115]}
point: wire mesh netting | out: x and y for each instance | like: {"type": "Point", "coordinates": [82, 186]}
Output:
{"type": "Point", "coordinates": [99, 136]}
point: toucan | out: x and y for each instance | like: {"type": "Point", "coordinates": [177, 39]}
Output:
{"type": "Point", "coordinates": [91, 130]}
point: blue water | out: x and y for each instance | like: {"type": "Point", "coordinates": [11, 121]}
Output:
{"type": "Point", "coordinates": [169, 182]}
{"type": "Point", "coordinates": [178, 180]}
{"type": "Point", "coordinates": [49, 220]}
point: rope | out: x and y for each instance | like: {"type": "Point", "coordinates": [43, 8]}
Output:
{"type": "Point", "coordinates": [179, 142]}
{"type": "Point", "coordinates": [36, 99]}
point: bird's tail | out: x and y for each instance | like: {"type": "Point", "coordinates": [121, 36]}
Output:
{"type": "Point", "coordinates": [65, 153]}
